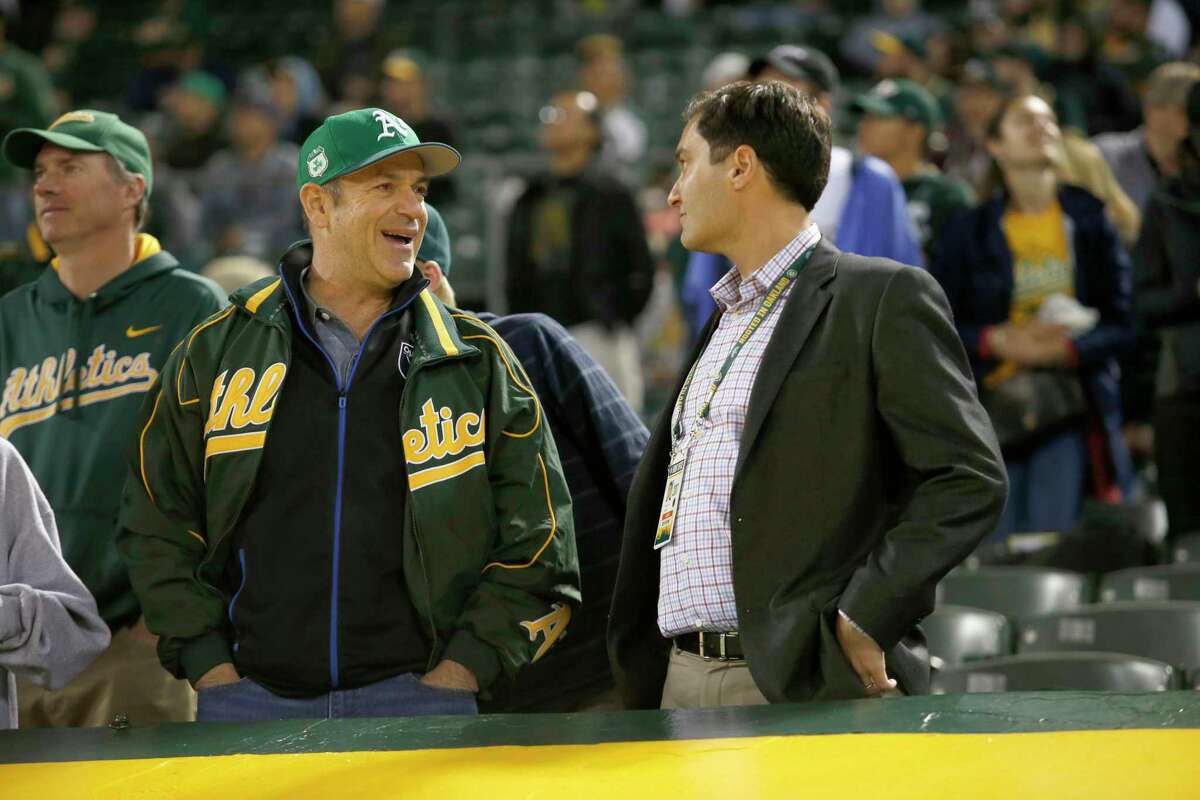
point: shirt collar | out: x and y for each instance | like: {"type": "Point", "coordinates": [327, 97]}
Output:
{"type": "Point", "coordinates": [732, 290]}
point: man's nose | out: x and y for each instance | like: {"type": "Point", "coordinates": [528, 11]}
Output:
{"type": "Point", "coordinates": [673, 198]}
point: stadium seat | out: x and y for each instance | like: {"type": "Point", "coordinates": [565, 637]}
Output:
{"type": "Point", "coordinates": [1186, 549]}
{"type": "Point", "coordinates": [1165, 582]}
{"type": "Point", "coordinates": [1092, 672]}
{"type": "Point", "coordinates": [957, 634]}
{"type": "Point", "coordinates": [1014, 591]}
{"type": "Point", "coordinates": [1167, 631]}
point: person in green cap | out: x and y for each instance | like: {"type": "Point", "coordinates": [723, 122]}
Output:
{"type": "Point", "coordinates": [898, 118]}
{"type": "Point", "coordinates": [344, 500]}
{"type": "Point", "coordinates": [79, 348]}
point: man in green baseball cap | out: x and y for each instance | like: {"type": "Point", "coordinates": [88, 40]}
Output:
{"type": "Point", "coordinates": [396, 554]}
{"type": "Point", "coordinates": [899, 117]}
{"type": "Point", "coordinates": [96, 329]}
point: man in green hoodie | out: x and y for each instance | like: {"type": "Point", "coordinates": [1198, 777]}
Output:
{"type": "Point", "coordinates": [79, 348]}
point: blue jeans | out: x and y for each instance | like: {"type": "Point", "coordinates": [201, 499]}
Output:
{"type": "Point", "coordinates": [1045, 489]}
{"type": "Point", "coordinates": [401, 696]}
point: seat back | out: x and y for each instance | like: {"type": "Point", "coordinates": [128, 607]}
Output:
{"type": "Point", "coordinates": [1168, 632]}
{"type": "Point", "coordinates": [956, 634]}
{"type": "Point", "coordinates": [1163, 582]}
{"type": "Point", "coordinates": [1015, 592]}
{"type": "Point", "coordinates": [1099, 672]}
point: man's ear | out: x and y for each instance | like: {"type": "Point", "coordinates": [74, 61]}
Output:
{"type": "Point", "coordinates": [433, 273]}
{"type": "Point", "coordinates": [136, 189]}
{"type": "Point", "coordinates": [316, 204]}
{"type": "Point", "coordinates": [743, 166]}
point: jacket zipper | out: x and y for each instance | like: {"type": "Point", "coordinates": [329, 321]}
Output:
{"type": "Point", "coordinates": [342, 399]}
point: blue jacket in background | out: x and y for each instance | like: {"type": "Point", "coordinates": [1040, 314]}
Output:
{"type": "Point", "coordinates": [974, 266]}
{"type": "Point", "coordinates": [873, 223]}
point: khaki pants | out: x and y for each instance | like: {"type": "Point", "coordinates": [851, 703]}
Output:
{"type": "Point", "coordinates": [693, 682]}
{"type": "Point", "coordinates": [127, 678]}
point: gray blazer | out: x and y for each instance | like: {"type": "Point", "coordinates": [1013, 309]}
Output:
{"type": "Point", "coordinates": [867, 470]}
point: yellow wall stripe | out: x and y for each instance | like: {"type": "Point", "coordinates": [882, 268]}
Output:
{"type": "Point", "coordinates": [426, 477]}
{"type": "Point", "coordinates": [553, 527]}
{"type": "Point", "coordinates": [261, 295]}
{"type": "Point", "coordinates": [439, 324]}
{"type": "Point", "coordinates": [233, 443]}
{"type": "Point", "coordinates": [1098, 765]}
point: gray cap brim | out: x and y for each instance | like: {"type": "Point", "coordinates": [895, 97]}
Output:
{"type": "Point", "coordinates": [22, 145]}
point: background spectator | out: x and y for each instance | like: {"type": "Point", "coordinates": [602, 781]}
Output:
{"type": "Point", "coordinates": [577, 249]}
{"type": "Point", "coordinates": [194, 134]}
{"type": "Point", "coordinates": [404, 91]}
{"type": "Point", "coordinates": [1167, 292]}
{"type": "Point", "coordinates": [1005, 266]}
{"type": "Point", "coordinates": [248, 190]}
{"type": "Point", "coordinates": [602, 71]}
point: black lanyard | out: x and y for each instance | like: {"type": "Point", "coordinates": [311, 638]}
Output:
{"type": "Point", "coordinates": [764, 310]}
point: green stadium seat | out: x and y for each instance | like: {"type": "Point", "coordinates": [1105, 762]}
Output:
{"type": "Point", "coordinates": [1186, 549]}
{"type": "Point", "coordinates": [957, 634]}
{"type": "Point", "coordinates": [1014, 591]}
{"type": "Point", "coordinates": [1166, 631]}
{"type": "Point", "coordinates": [1095, 672]}
{"type": "Point", "coordinates": [1164, 582]}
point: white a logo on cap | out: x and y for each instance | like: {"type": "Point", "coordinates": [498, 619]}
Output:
{"type": "Point", "coordinates": [392, 125]}
{"type": "Point", "coordinates": [318, 162]}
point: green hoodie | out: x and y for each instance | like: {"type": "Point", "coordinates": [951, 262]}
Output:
{"type": "Point", "coordinates": [488, 536]}
{"type": "Point", "coordinates": [75, 431]}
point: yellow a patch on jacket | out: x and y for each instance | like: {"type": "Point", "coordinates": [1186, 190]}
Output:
{"type": "Point", "coordinates": [242, 400]}
{"type": "Point", "coordinates": [443, 434]}
{"type": "Point", "coordinates": [551, 626]}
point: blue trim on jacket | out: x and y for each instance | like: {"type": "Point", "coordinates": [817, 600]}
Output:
{"type": "Point", "coordinates": [974, 266]}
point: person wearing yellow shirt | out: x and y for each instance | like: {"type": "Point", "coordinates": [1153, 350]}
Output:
{"type": "Point", "coordinates": [1000, 264]}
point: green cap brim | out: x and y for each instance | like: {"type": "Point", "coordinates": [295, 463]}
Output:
{"type": "Point", "coordinates": [870, 104]}
{"type": "Point", "coordinates": [437, 158]}
{"type": "Point", "coordinates": [22, 145]}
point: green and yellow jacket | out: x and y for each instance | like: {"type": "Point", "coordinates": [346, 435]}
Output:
{"type": "Point", "coordinates": [489, 548]}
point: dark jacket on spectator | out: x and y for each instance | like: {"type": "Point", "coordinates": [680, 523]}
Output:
{"type": "Point", "coordinates": [605, 272]}
{"type": "Point", "coordinates": [975, 268]}
{"type": "Point", "coordinates": [1167, 280]}
{"type": "Point", "coordinates": [600, 442]}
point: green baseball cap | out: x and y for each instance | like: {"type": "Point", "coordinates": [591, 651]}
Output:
{"type": "Point", "coordinates": [901, 98]}
{"type": "Point", "coordinates": [436, 244]}
{"type": "Point", "coordinates": [348, 142]}
{"type": "Point", "coordinates": [87, 131]}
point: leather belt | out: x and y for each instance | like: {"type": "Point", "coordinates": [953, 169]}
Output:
{"type": "Point", "coordinates": [719, 646]}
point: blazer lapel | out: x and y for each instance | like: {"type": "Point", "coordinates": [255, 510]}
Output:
{"type": "Point", "coordinates": [800, 313]}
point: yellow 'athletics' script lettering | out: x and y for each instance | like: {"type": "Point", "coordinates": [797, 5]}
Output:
{"type": "Point", "coordinates": [233, 404]}
{"type": "Point", "coordinates": [441, 434]}
{"type": "Point", "coordinates": [34, 394]}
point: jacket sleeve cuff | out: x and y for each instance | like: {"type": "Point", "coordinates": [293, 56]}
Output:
{"type": "Point", "coordinates": [476, 655]}
{"type": "Point", "coordinates": [876, 612]}
{"type": "Point", "coordinates": [202, 654]}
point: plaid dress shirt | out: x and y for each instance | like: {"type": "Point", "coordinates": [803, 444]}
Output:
{"type": "Point", "coordinates": [695, 575]}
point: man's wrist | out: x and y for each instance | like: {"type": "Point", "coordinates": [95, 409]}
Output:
{"type": "Point", "coordinates": [856, 626]}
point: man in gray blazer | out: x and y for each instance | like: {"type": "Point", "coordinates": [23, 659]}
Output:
{"type": "Point", "coordinates": [826, 461]}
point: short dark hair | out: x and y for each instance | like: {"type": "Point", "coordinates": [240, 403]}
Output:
{"type": "Point", "coordinates": [788, 131]}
